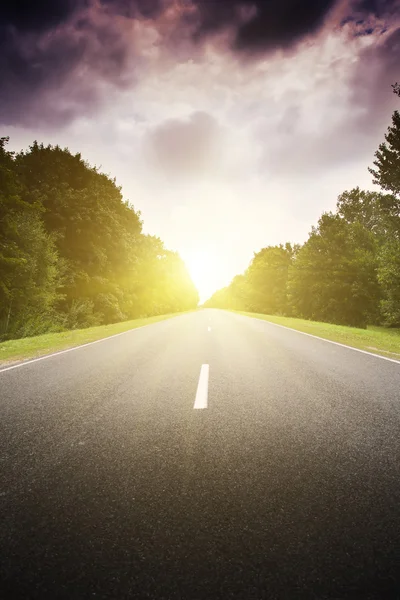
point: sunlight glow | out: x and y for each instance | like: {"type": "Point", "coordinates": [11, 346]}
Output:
{"type": "Point", "coordinates": [206, 272]}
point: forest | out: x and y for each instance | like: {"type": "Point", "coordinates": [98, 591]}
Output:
{"type": "Point", "coordinates": [73, 253]}
{"type": "Point", "coordinates": [348, 270]}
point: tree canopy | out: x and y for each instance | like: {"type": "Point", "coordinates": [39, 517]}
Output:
{"type": "Point", "coordinates": [72, 251]}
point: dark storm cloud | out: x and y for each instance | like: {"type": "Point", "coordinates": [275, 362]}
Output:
{"type": "Point", "coordinates": [148, 9]}
{"type": "Point", "coordinates": [55, 54]}
{"type": "Point", "coordinates": [68, 47]}
{"type": "Point", "coordinates": [38, 15]}
{"type": "Point", "coordinates": [43, 48]}
{"type": "Point", "coordinates": [265, 25]}
{"type": "Point", "coordinates": [262, 25]}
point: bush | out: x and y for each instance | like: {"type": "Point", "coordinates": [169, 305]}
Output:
{"type": "Point", "coordinates": [81, 314]}
{"type": "Point", "coordinates": [108, 309]}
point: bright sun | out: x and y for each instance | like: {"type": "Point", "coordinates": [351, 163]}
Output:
{"type": "Point", "coordinates": [205, 272]}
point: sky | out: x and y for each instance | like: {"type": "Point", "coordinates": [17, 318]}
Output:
{"type": "Point", "coordinates": [230, 124]}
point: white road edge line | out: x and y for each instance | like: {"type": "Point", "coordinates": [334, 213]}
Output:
{"type": "Point", "coordinates": [202, 389]}
{"type": "Point", "coordinates": [33, 360]}
{"type": "Point", "coordinates": [325, 340]}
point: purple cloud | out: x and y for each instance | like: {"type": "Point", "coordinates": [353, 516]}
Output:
{"type": "Point", "coordinates": [55, 55]}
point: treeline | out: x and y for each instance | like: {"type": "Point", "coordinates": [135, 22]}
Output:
{"type": "Point", "coordinates": [348, 271]}
{"type": "Point", "coordinates": [72, 251]}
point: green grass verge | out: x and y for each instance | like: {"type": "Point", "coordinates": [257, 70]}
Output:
{"type": "Point", "coordinates": [33, 347]}
{"type": "Point", "coordinates": [377, 340]}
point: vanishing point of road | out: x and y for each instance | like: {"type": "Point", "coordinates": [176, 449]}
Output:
{"type": "Point", "coordinates": [209, 456]}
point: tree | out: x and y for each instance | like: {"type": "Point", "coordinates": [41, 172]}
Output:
{"type": "Point", "coordinates": [267, 278]}
{"type": "Point", "coordinates": [387, 163]}
{"type": "Point", "coordinates": [84, 209]}
{"type": "Point", "coordinates": [371, 209]}
{"type": "Point", "coordinates": [30, 269]}
{"type": "Point", "coordinates": [387, 175]}
{"type": "Point", "coordinates": [220, 299]}
{"type": "Point", "coordinates": [263, 286]}
{"type": "Point", "coordinates": [334, 275]}
{"type": "Point", "coordinates": [36, 283]}
{"type": "Point", "coordinates": [163, 284]}
{"type": "Point", "coordinates": [389, 278]}
{"type": "Point", "coordinates": [232, 297]}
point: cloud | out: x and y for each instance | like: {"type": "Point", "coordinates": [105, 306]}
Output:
{"type": "Point", "coordinates": [65, 58]}
{"type": "Point", "coordinates": [338, 115]}
{"type": "Point", "coordinates": [371, 92]}
{"type": "Point", "coordinates": [258, 25]}
{"type": "Point", "coordinates": [185, 148]}
{"type": "Point", "coordinates": [60, 59]}
{"type": "Point", "coordinates": [41, 15]}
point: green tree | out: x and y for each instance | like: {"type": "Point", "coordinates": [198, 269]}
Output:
{"type": "Point", "coordinates": [267, 278]}
{"type": "Point", "coordinates": [220, 299]}
{"type": "Point", "coordinates": [387, 163]}
{"type": "Point", "coordinates": [232, 297]}
{"type": "Point", "coordinates": [389, 278]}
{"type": "Point", "coordinates": [11, 256]}
{"type": "Point", "coordinates": [30, 269]}
{"type": "Point", "coordinates": [163, 283]}
{"type": "Point", "coordinates": [377, 212]}
{"type": "Point", "coordinates": [387, 175]}
{"type": "Point", "coordinates": [238, 293]}
{"type": "Point", "coordinates": [95, 230]}
{"type": "Point", "coordinates": [35, 287]}
{"type": "Point", "coordinates": [334, 275]}
{"type": "Point", "coordinates": [263, 286]}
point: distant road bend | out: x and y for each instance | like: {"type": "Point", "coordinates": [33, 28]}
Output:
{"type": "Point", "coordinates": [209, 456]}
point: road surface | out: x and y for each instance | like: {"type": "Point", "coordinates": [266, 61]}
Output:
{"type": "Point", "coordinates": [274, 474]}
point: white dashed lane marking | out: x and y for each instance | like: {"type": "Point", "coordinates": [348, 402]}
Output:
{"type": "Point", "coordinates": [201, 400]}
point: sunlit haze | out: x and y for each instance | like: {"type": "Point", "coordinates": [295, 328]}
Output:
{"type": "Point", "coordinates": [206, 271]}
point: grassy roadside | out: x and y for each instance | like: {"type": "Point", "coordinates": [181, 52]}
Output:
{"type": "Point", "coordinates": [377, 340]}
{"type": "Point", "coordinates": [33, 347]}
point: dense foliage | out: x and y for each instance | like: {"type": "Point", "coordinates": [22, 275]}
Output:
{"type": "Point", "coordinates": [72, 252]}
{"type": "Point", "coordinates": [348, 271]}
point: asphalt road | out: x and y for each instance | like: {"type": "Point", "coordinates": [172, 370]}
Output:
{"type": "Point", "coordinates": [286, 486]}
